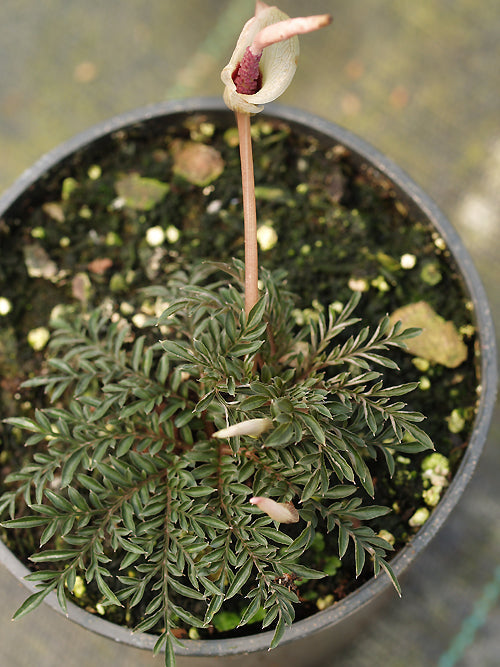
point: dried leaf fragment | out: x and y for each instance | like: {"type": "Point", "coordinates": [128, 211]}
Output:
{"type": "Point", "coordinates": [198, 163]}
{"type": "Point", "coordinates": [100, 265]}
{"type": "Point", "coordinates": [139, 192]}
{"type": "Point", "coordinates": [439, 340]}
{"type": "Point", "coordinates": [38, 263]}
{"type": "Point", "coordinates": [54, 210]}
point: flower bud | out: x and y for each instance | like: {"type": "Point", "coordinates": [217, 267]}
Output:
{"type": "Point", "coordinates": [281, 512]}
{"type": "Point", "coordinates": [253, 427]}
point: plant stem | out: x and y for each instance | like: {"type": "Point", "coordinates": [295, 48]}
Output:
{"type": "Point", "coordinates": [249, 212]}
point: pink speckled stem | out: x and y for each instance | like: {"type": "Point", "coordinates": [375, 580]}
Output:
{"type": "Point", "coordinates": [249, 212]}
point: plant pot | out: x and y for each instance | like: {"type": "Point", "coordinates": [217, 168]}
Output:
{"type": "Point", "coordinates": [341, 620]}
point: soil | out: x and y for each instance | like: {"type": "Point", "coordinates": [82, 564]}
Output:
{"type": "Point", "coordinates": [82, 236]}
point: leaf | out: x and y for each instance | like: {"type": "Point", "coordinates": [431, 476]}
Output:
{"type": "Point", "coordinates": [240, 579]}
{"type": "Point", "coordinates": [245, 347]}
{"type": "Point", "coordinates": [62, 366]}
{"type": "Point", "coordinates": [24, 423]}
{"type": "Point", "coordinates": [177, 350]}
{"type": "Point", "coordinates": [256, 314]}
{"type": "Point", "coordinates": [303, 571]}
{"type": "Point", "coordinates": [252, 403]}
{"type": "Point", "coordinates": [278, 633]}
{"type": "Point", "coordinates": [49, 532]}
{"type": "Point", "coordinates": [32, 602]}
{"type": "Point", "coordinates": [103, 408]}
{"type": "Point", "coordinates": [61, 596]}
{"type": "Point", "coordinates": [343, 540]}
{"type": "Point", "coordinates": [106, 591]}
{"type": "Point", "coordinates": [54, 555]}
{"type": "Point", "coordinates": [411, 447]}
{"type": "Point", "coordinates": [149, 622]}
{"type": "Point", "coordinates": [137, 353]}
{"type": "Point", "coordinates": [340, 491]}
{"type": "Point", "coordinates": [169, 651]}
{"type": "Point", "coordinates": [281, 436]}
{"type": "Point", "coordinates": [212, 521]}
{"type": "Point", "coordinates": [25, 522]}
{"type": "Point", "coordinates": [198, 491]}
{"type": "Point", "coordinates": [70, 466]}
{"type": "Point", "coordinates": [359, 557]}
{"type": "Point", "coordinates": [419, 435]}
{"type": "Point", "coordinates": [90, 483]}
{"type": "Point", "coordinates": [250, 611]}
{"type": "Point", "coordinates": [186, 616]}
{"type": "Point", "coordinates": [366, 513]}
{"type": "Point", "coordinates": [204, 402]}
{"type": "Point", "coordinates": [311, 486]}
{"type": "Point", "coordinates": [58, 501]}
{"type": "Point", "coordinates": [275, 535]}
{"type": "Point", "coordinates": [125, 445]}
{"type": "Point", "coordinates": [186, 591]}
{"type": "Point", "coordinates": [300, 543]}
{"type": "Point", "coordinates": [213, 608]}
{"type": "Point", "coordinates": [314, 426]}
{"type": "Point", "coordinates": [391, 574]}
{"type": "Point", "coordinates": [209, 585]}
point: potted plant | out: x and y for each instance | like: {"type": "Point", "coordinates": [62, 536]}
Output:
{"type": "Point", "coordinates": [213, 454]}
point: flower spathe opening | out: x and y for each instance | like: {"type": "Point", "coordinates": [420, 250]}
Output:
{"type": "Point", "coordinates": [265, 58]}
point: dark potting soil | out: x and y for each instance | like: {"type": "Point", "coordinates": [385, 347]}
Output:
{"type": "Point", "coordinates": [142, 203]}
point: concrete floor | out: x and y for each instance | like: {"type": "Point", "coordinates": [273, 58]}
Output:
{"type": "Point", "coordinates": [417, 80]}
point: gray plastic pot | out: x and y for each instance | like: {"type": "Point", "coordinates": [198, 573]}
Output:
{"type": "Point", "coordinates": [338, 623]}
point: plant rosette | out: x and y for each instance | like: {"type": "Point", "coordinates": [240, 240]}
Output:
{"type": "Point", "coordinates": [121, 218]}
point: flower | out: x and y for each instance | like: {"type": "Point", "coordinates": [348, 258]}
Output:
{"type": "Point", "coordinates": [254, 427]}
{"type": "Point", "coordinates": [266, 51]}
{"type": "Point", "coordinates": [281, 512]}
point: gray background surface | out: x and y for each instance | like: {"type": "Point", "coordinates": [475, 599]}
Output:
{"type": "Point", "coordinates": [418, 80]}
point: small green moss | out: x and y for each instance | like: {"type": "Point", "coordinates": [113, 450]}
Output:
{"type": "Point", "coordinates": [325, 602]}
{"type": "Point", "coordinates": [456, 421]}
{"type": "Point", "coordinates": [94, 172]}
{"type": "Point", "coordinates": [318, 543]}
{"type": "Point", "coordinates": [226, 620]}
{"type": "Point", "coordinates": [117, 283]}
{"type": "Point", "coordinates": [419, 517]}
{"type": "Point", "coordinates": [113, 239]}
{"type": "Point", "coordinates": [424, 383]}
{"type": "Point", "coordinates": [387, 536]}
{"type": "Point", "coordinates": [331, 565]}
{"type": "Point", "coordinates": [69, 185]}
{"type": "Point", "coordinates": [432, 495]}
{"type": "Point", "coordinates": [172, 234]}
{"type": "Point", "coordinates": [231, 137]}
{"type": "Point", "coordinates": [431, 274]}
{"type": "Point", "coordinates": [38, 233]}
{"type": "Point", "coordinates": [421, 364]}
{"type": "Point", "coordinates": [79, 588]}
{"type": "Point", "coordinates": [38, 338]}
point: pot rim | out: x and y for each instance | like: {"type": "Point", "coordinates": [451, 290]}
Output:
{"type": "Point", "coordinates": [411, 192]}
